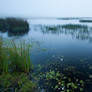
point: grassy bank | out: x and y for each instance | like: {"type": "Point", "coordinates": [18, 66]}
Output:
{"type": "Point", "coordinates": [14, 26]}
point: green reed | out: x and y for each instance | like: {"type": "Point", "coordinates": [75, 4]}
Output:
{"type": "Point", "coordinates": [15, 57]}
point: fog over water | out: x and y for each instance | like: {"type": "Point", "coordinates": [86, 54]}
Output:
{"type": "Point", "coordinates": [46, 8]}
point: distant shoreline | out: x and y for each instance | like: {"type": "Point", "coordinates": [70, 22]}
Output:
{"type": "Point", "coordinates": [61, 18]}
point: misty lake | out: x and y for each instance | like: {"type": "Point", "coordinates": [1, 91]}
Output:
{"type": "Point", "coordinates": [50, 44]}
{"type": "Point", "coordinates": [54, 40]}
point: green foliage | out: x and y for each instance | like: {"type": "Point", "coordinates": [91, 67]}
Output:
{"type": "Point", "coordinates": [15, 58]}
{"type": "Point", "coordinates": [3, 57]}
{"type": "Point", "coordinates": [58, 77]}
{"type": "Point", "coordinates": [19, 82]}
{"type": "Point", "coordinates": [20, 57]}
{"type": "Point", "coordinates": [28, 86]}
{"type": "Point", "coordinates": [57, 82]}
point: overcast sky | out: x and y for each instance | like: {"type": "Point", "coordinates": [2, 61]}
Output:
{"type": "Point", "coordinates": [46, 8]}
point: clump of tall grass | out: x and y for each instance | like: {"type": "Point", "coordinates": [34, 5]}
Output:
{"type": "Point", "coordinates": [14, 57]}
{"type": "Point", "coordinates": [15, 67]}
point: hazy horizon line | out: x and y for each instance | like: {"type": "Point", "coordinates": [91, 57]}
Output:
{"type": "Point", "coordinates": [43, 17]}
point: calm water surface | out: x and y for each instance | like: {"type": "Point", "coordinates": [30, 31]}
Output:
{"type": "Point", "coordinates": [58, 45]}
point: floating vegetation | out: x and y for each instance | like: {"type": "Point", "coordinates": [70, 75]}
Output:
{"type": "Point", "coordinates": [60, 77]}
{"type": "Point", "coordinates": [14, 26]}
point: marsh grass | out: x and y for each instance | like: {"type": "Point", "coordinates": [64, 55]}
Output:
{"type": "Point", "coordinates": [58, 28]}
{"type": "Point", "coordinates": [74, 26]}
{"type": "Point", "coordinates": [15, 67]}
{"type": "Point", "coordinates": [15, 57]}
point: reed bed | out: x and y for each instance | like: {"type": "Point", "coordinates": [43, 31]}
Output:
{"type": "Point", "coordinates": [15, 57]}
{"type": "Point", "coordinates": [15, 67]}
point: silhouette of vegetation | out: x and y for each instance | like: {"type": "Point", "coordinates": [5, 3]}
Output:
{"type": "Point", "coordinates": [80, 32]}
{"type": "Point", "coordinates": [89, 21]}
{"type": "Point", "coordinates": [74, 26]}
{"type": "Point", "coordinates": [14, 26]}
{"type": "Point", "coordinates": [3, 25]}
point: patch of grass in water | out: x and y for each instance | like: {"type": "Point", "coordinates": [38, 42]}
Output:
{"type": "Point", "coordinates": [74, 26]}
{"type": "Point", "coordinates": [53, 28]}
{"type": "Point", "coordinates": [84, 21]}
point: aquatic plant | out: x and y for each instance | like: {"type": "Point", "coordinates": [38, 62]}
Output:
{"type": "Point", "coordinates": [74, 26]}
{"type": "Point", "coordinates": [51, 28]}
{"type": "Point", "coordinates": [14, 57]}
{"type": "Point", "coordinates": [55, 82]}
{"type": "Point", "coordinates": [59, 77]}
